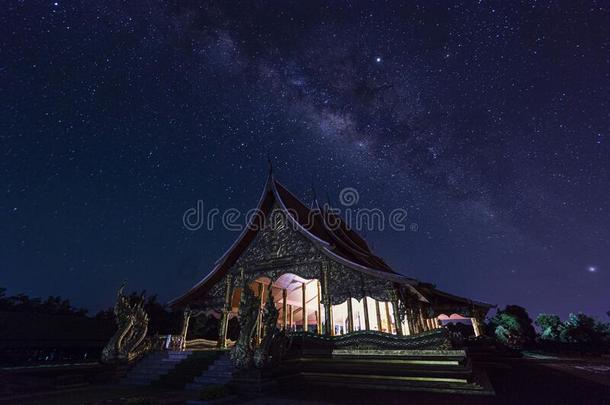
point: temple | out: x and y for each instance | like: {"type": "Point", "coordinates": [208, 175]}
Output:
{"type": "Point", "coordinates": [325, 283]}
{"type": "Point", "coordinates": [323, 276]}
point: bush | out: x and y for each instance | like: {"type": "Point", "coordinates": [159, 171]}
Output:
{"type": "Point", "coordinates": [213, 391]}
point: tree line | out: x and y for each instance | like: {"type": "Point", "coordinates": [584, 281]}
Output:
{"type": "Point", "coordinates": [161, 319]}
{"type": "Point", "coordinates": [513, 327]}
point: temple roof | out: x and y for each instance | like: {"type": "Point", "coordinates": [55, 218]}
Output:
{"type": "Point", "coordinates": [320, 225]}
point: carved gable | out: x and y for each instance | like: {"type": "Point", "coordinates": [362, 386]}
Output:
{"type": "Point", "coordinates": [279, 242]}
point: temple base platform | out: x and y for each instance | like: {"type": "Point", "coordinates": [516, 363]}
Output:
{"type": "Point", "coordinates": [368, 361]}
{"type": "Point", "coordinates": [253, 382]}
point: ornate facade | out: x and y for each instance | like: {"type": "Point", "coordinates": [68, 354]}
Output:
{"type": "Point", "coordinates": [321, 277]}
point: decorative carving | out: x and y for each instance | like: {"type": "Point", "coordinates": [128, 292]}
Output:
{"type": "Point", "coordinates": [279, 240]}
{"type": "Point", "coordinates": [242, 352]}
{"type": "Point", "coordinates": [270, 315]}
{"type": "Point", "coordinates": [215, 297]}
{"type": "Point", "coordinates": [344, 283]}
{"type": "Point", "coordinates": [132, 324]}
{"type": "Point", "coordinates": [279, 248]}
{"type": "Point", "coordinates": [438, 339]}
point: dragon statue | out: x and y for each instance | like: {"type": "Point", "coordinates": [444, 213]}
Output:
{"type": "Point", "coordinates": [245, 355]}
{"type": "Point", "coordinates": [129, 341]}
{"type": "Point", "coordinates": [243, 351]}
{"type": "Point", "coordinates": [270, 314]}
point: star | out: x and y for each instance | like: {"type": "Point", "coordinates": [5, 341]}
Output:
{"type": "Point", "coordinates": [421, 131]}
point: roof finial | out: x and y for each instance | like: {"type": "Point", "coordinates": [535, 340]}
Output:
{"type": "Point", "coordinates": [270, 164]}
{"type": "Point", "coordinates": [314, 200]}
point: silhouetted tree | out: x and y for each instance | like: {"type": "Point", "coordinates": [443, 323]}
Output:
{"type": "Point", "coordinates": [583, 329]}
{"type": "Point", "coordinates": [162, 320]}
{"type": "Point", "coordinates": [578, 333]}
{"type": "Point", "coordinates": [52, 305]}
{"type": "Point", "coordinates": [550, 325]}
{"type": "Point", "coordinates": [513, 327]}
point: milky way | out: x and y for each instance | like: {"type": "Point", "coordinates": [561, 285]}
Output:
{"type": "Point", "coordinates": [487, 121]}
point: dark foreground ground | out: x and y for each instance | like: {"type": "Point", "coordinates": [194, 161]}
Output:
{"type": "Point", "coordinates": [517, 381]}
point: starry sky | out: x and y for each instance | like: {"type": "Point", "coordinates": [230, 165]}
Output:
{"type": "Point", "coordinates": [489, 121]}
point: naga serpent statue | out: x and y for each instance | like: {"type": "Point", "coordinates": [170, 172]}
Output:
{"type": "Point", "coordinates": [242, 352]}
{"type": "Point", "coordinates": [270, 314]}
{"type": "Point", "coordinates": [132, 324]}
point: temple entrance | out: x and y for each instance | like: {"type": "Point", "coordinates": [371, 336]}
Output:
{"type": "Point", "coordinates": [301, 309]}
{"type": "Point", "coordinates": [300, 305]}
{"type": "Point", "coordinates": [297, 299]}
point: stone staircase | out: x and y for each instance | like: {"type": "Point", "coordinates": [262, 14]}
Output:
{"type": "Point", "coordinates": [153, 366]}
{"type": "Point", "coordinates": [447, 371]}
{"type": "Point", "coordinates": [218, 373]}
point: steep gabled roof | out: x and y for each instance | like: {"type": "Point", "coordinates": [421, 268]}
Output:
{"type": "Point", "coordinates": [441, 298]}
{"type": "Point", "coordinates": [326, 230]}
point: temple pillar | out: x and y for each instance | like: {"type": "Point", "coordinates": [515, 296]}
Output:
{"type": "Point", "coordinates": [186, 316]}
{"type": "Point", "coordinates": [290, 317]}
{"type": "Point", "coordinates": [259, 321]}
{"type": "Point", "coordinates": [476, 325]}
{"type": "Point", "coordinates": [367, 325]}
{"type": "Point", "coordinates": [224, 320]}
{"type": "Point", "coordinates": [378, 313]}
{"type": "Point", "coordinates": [284, 308]}
{"type": "Point", "coordinates": [329, 329]}
{"type": "Point", "coordinates": [422, 320]}
{"type": "Point", "coordinates": [319, 313]}
{"type": "Point", "coordinates": [304, 286]}
{"type": "Point", "coordinates": [388, 318]}
{"type": "Point", "coordinates": [405, 327]}
{"type": "Point", "coordinates": [350, 316]}
{"type": "Point", "coordinates": [413, 318]}
{"type": "Point", "coordinates": [397, 317]}
{"type": "Point", "coordinates": [408, 321]}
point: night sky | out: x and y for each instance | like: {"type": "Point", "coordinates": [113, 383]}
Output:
{"type": "Point", "coordinates": [488, 121]}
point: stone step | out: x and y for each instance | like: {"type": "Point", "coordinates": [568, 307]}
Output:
{"type": "Point", "coordinates": [137, 381]}
{"type": "Point", "coordinates": [176, 357]}
{"type": "Point", "coordinates": [213, 373]}
{"type": "Point", "coordinates": [153, 366]}
{"type": "Point", "coordinates": [228, 366]}
{"type": "Point", "coordinates": [206, 377]}
{"type": "Point", "coordinates": [152, 370]}
{"type": "Point", "coordinates": [200, 386]}
{"type": "Point", "coordinates": [219, 372]}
